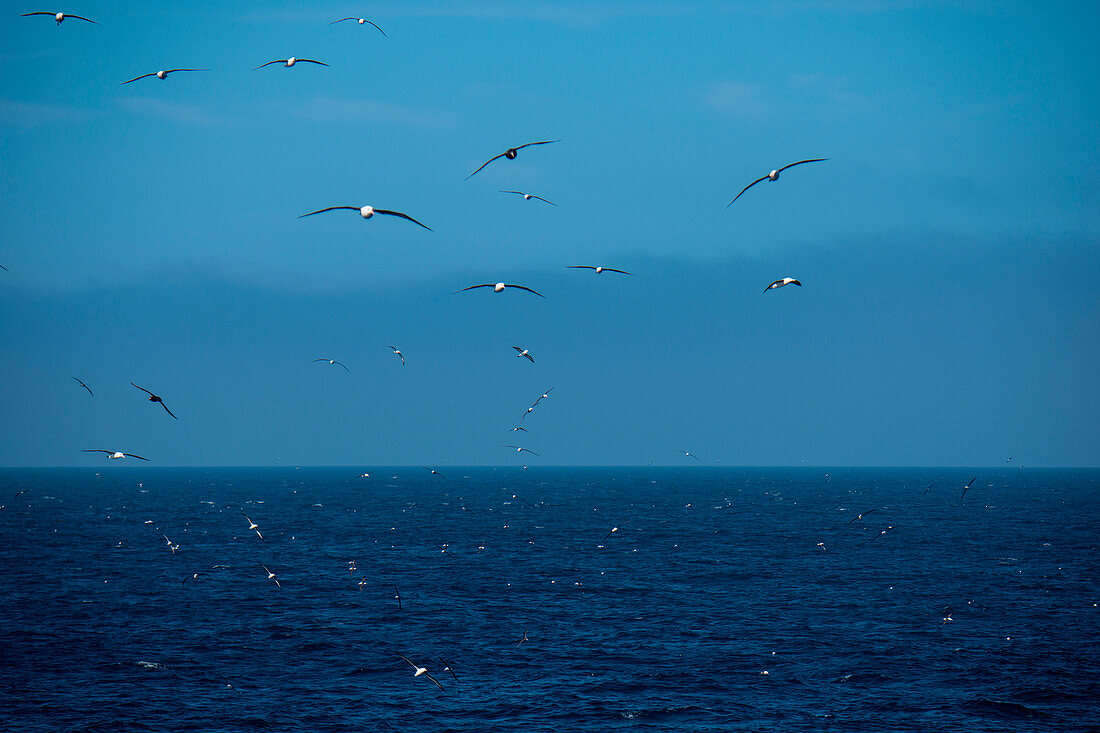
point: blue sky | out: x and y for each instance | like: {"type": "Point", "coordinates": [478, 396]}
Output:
{"type": "Point", "coordinates": [946, 248]}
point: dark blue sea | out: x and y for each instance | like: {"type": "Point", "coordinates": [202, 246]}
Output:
{"type": "Point", "coordinates": [713, 607]}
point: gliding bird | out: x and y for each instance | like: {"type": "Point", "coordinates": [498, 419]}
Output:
{"type": "Point", "coordinates": [510, 154]}
{"type": "Point", "coordinates": [523, 352]}
{"type": "Point", "coordinates": [155, 398]}
{"type": "Point", "coordinates": [781, 283]}
{"type": "Point", "coordinates": [331, 361]}
{"type": "Point", "coordinates": [59, 17]}
{"type": "Point", "coordinates": [528, 196]}
{"type": "Point", "coordinates": [520, 450]}
{"type": "Point", "coordinates": [774, 175]}
{"type": "Point", "coordinates": [965, 488]}
{"type": "Point", "coordinates": [161, 74]}
{"type": "Point", "coordinates": [421, 671]}
{"type": "Point", "coordinates": [290, 62]}
{"type": "Point", "coordinates": [113, 453]}
{"type": "Point", "coordinates": [360, 21]}
{"type": "Point", "coordinates": [499, 288]}
{"type": "Point", "coordinates": [367, 212]}
{"type": "Point", "coordinates": [398, 352]}
{"type": "Point", "coordinates": [597, 269]}
{"type": "Point", "coordinates": [84, 386]}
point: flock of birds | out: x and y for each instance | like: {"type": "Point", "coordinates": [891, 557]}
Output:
{"type": "Point", "coordinates": [368, 212]}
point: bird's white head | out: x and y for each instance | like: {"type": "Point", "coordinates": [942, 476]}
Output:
{"type": "Point", "coordinates": [162, 74]}
{"type": "Point", "coordinates": [527, 196]}
{"type": "Point", "coordinates": [499, 287]}
{"type": "Point", "coordinates": [599, 270]}
{"type": "Point", "coordinates": [290, 61]}
{"type": "Point", "coordinates": [362, 21]}
{"type": "Point", "coordinates": [116, 454]}
{"type": "Point", "coordinates": [366, 212]}
{"type": "Point", "coordinates": [59, 17]}
{"type": "Point", "coordinates": [773, 175]}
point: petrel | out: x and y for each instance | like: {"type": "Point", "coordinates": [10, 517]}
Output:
{"type": "Point", "coordinates": [155, 398]}
{"type": "Point", "coordinates": [84, 386]}
{"type": "Point", "coordinates": [597, 269]}
{"type": "Point", "coordinates": [527, 196]}
{"type": "Point", "coordinates": [421, 671]}
{"type": "Point", "coordinates": [523, 352]}
{"type": "Point", "coordinates": [290, 62]}
{"type": "Point", "coordinates": [59, 17]}
{"type": "Point", "coordinates": [113, 453]}
{"type": "Point", "coordinates": [781, 283]}
{"type": "Point", "coordinates": [510, 154]}
{"type": "Point", "coordinates": [332, 361]}
{"type": "Point", "coordinates": [774, 175]}
{"type": "Point", "coordinates": [499, 288]}
{"type": "Point", "coordinates": [367, 212]}
{"type": "Point", "coordinates": [161, 74]}
{"type": "Point", "coordinates": [360, 21]}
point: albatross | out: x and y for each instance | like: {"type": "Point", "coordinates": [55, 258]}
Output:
{"type": "Point", "coordinates": [529, 196]}
{"type": "Point", "coordinates": [113, 453]}
{"type": "Point", "coordinates": [597, 269]}
{"type": "Point", "coordinates": [510, 154]}
{"type": "Point", "coordinates": [161, 74]}
{"type": "Point", "coordinates": [290, 62]}
{"type": "Point", "coordinates": [59, 17]}
{"type": "Point", "coordinates": [367, 212]}
{"type": "Point", "coordinates": [421, 671]}
{"type": "Point", "coordinates": [773, 176]}
{"type": "Point", "coordinates": [782, 282]}
{"type": "Point", "coordinates": [499, 288]}
{"type": "Point", "coordinates": [523, 352]}
{"type": "Point", "coordinates": [360, 21]}
{"type": "Point", "coordinates": [155, 398]}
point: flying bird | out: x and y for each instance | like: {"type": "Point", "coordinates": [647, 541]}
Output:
{"type": "Point", "coordinates": [84, 386]}
{"type": "Point", "coordinates": [254, 527]}
{"type": "Point", "coordinates": [543, 396]}
{"type": "Point", "coordinates": [331, 361]}
{"type": "Point", "coordinates": [398, 352]}
{"type": "Point", "coordinates": [781, 283]}
{"type": "Point", "coordinates": [613, 531]}
{"type": "Point", "coordinates": [523, 352]}
{"type": "Point", "coordinates": [882, 533]}
{"type": "Point", "coordinates": [499, 288]}
{"type": "Point", "coordinates": [447, 668]}
{"type": "Point", "coordinates": [965, 488]}
{"type": "Point", "coordinates": [689, 453]}
{"type": "Point", "coordinates": [520, 450]}
{"type": "Point", "coordinates": [397, 595]}
{"type": "Point", "coordinates": [290, 62]}
{"type": "Point", "coordinates": [861, 516]}
{"type": "Point", "coordinates": [360, 21]}
{"type": "Point", "coordinates": [432, 470]}
{"type": "Point", "coordinates": [60, 17]}
{"type": "Point", "coordinates": [271, 577]}
{"type": "Point", "coordinates": [774, 175]}
{"type": "Point", "coordinates": [517, 428]}
{"type": "Point", "coordinates": [523, 639]}
{"type": "Point", "coordinates": [113, 453]}
{"type": "Point", "coordinates": [367, 212]}
{"type": "Point", "coordinates": [526, 196]}
{"type": "Point", "coordinates": [510, 154]}
{"type": "Point", "coordinates": [162, 74]}
{"type": "Point", "coordinates": [155, 398]}
{"type": "Point", "coordinates": [421, 671]}
{"type": "Point", "coordinates": [929, 487]}
{"type": "Point", "coordinates": [192, 576]}
{"type": "Point", "coordinates": [598, 270]}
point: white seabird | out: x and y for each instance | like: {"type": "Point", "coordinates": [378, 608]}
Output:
{"type": "Point", "coordinates": [773, 176]}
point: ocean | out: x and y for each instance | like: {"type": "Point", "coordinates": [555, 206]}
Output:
{"type": "Point", "coordinates": [727, 599]}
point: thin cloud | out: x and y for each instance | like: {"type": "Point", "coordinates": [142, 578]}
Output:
{"type": "Point", "coordinates": [14, 113]}
{"type": "Point", "coordinates": [735, 99]}
{"type": "Point", "coordinates": [172, 111]}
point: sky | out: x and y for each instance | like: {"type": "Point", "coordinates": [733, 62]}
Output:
{"type": "Point", "coordinates": [947, 248]}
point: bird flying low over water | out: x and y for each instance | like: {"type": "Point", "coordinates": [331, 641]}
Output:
{"type": "Point", "coordinates": [861, 515]}
{"type": "Point", "coordinates": [162, 74]}
{"type": "Point", "coordinates": [781, 283]}
{"type": "Point", "coordinates": [510, 154]}
{"type": "Point", "coordinates": [529, 196]}
{"type": "Point", "coordinates": [333, 362]}
{"type": "Point", "coordinates": [520, 450]}
{"type": "Point", "coordinates": [59, 17]}
{"type": "Point", "coordinates": [967, 487]}
{"type": "Point", "coordinates": [360, 21]}
{"type": "Point", "coordinates": [421, 671]}
{"type": "Point", "coordinates": [689, 453]}
{"type": "Point", "coordinates": [523, 352]}
{"type": "Point", "coordinates": [774, 175]}
{"type": "Point", "coordinates": [84, 386]}
{"type": "Point", "coordinates": [155, 398]}
{"type": "Point", "coordinates": [597, 269]}
{"type": "Point", "coordinates": [499, 287]}
{"type": "Point", "coordinates": [367, 212]}
{"type": "Point", "coordinates": [432, 470]}
{"type": "Point", "coordinates": [290, 62]}
{"type": "Point", "coordinates": [113, 453]}
{"type": "Point", "coordinates": [271, 577]}
{"type": "Point", "coordinates": [398, 352]}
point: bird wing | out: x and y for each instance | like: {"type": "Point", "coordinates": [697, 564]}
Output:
{"type": "Point", "coordinates": [529, 358]}
{"type": "Point", "coordinates": [342, 20]}
{"type": "Point", "coordinates": [528, 450]}
{"type": "Point", "coordinates": [166, 409]}
{"type": "Point", "coordinates": [331, 208]}
{"type": "Point", "coordinates": [139, 77]}
{"type": "Point", "coordinates": [345, 368]}
{"type": "Point", "coordinates": [39, 12]}
{"type": "Point", "coordinates": [131, 455]}
{"type": "Point", "coordinates": [79, 17]}
{"type": "Point", "coordinates": [483, 165]}
{"type": "Point", "coordinates": [483, 285]}
{"type": "Point", "coordinates": [518, 349]}
{"type": "Point", "coordinates": [311, 61]}
{"type": "Point", "coordinates": [582, 267]}
{"type": "Point", "coordinates": [376, 26]}
{"type": "Point", "coordinates": [543, 142]}
{"type": "Point", "coordinates": [433, 679]}
{"type": "Point", "coordinates": [403, 216]}
{"type": "Point", "coordinates": [746, 188]}
{"type": "Point", "coordinates": [772, 285]}
{"type": "Point", "coordinates": [96, 450]}
{"type": "Point", "coordinates": [792, 165]}
{"type": "Point", "coordinates": [85, 387]}
{"type": "Point", "coordinates": [144, 390]}
{"type": "Point", "coordinates": [411, 663]}
{"type": "Point", "coordinates": [521, 193]}
{"type": "Point", "coordinates": [269, 63]}
{"type": "Point", "coordinates": [612, 269]}
{"type": "Point", "coordinates": [523, 287]}
{"type": "Point", "coordinates": [172, 71]}
{"type": "Point", "coordinates": [540, 198]}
